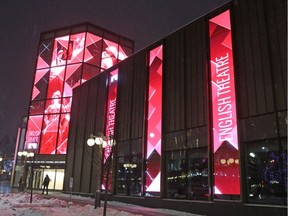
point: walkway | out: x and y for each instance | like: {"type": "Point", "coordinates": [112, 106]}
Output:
{"type": "Point", "coordinates": [133, 209]}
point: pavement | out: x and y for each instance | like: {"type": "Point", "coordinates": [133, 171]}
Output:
{"type": "Point", "coordinates": [133, 209]}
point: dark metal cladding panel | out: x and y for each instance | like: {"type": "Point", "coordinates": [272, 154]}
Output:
{"type": "Point", "coordinates": [239, 55]}
{"type": "Point", "coordinates": [124, 100]}
{"type": "Point", "coordinates": [202, 67]}
{"type": "Point", "coordinates": [248, 61]}
{"type": "Point", "coordinates": [260, 56]}
{"type": "Point", "coordinates": [138, 95]}
{"type": "Point", "coordinates": [72, 137]}
{"type": "Point", "coordinates": [90, 127]}
{"type": "Point", "coordinates": [276, 12]}
{"type": "Point", "coordinates": [173, 83]}
{"type": "Point", "coordinates": [87, 117]}
{"type": "Point", "coordinates": [265, 66]}
{"type": "Point", "coordinates": [81, 138]}
{"type": "Point", "coordinates": [195, 75]}
{"type": "Point", "coordinates": [100, 97]}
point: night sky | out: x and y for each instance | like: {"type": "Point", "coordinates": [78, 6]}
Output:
{"type": "Point", "coordinates": [22, 21]}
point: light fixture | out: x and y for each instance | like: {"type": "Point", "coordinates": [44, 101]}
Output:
{"type": "Point", "coordinates": [111, 142]}
{"type": "Point", "coordinates": [104, 144]}
{"type": "Point", "coordinates": [99, 140]}
{"type": "Point", "coordinates": [30, 154]}
{"type": "Point", "coordinates": [91, 142]}
{"type": "Point", "coordinates": [25, 154]}
{"type": "Point", "coordinates": [103, 141]}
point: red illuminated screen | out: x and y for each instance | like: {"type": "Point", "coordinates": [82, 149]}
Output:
{"type": "Point", "coordinates": [33, 134]}
{"type": "Point", "coordinates": [225, 137]}
{"type": "Point", "coordinates": [64, 63]}
{"type": "Point", "coordinates": [110, 119]}
{"type": "Point", "coordinates": [154, 127]}
{"type": "Point", "coordinates": [111, 109]}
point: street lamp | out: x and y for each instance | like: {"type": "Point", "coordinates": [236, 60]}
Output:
{"type": "Point", "coordinates": [103, 141]}
{"type": "Point", "coordinates": [1, 159]}
{"type": "Point", "coordinates": [26, 155]}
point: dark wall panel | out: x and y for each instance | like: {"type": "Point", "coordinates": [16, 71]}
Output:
{"type": "Point", "coordinates": [276, 12]}
{"type": "Point", "coordinates": [138, 95]}
{"type": "Point", "coordinates": [124, 102]}
{"type": "Point", "coordinates": [100, 97]}
{"type": "Point", "coordinates": [260, 57]}
{"type": "Point", "coordinates": [80, 138]}
{"type": "Point", "coordinates": [131, 98]}
{"type": "Point", "coordinates": [88, 117]}
{"type": "Point", "coordinates": [71, 140]}
{"type": "Point", "coordinates": [173, 83]}
{"type": "Point", "coordinates": [196, 74]}
{"type": "Point", "coordinates": [90, 127]}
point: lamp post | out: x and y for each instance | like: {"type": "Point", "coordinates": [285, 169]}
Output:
{"type": "Point", "coordinates": [26, 155]}
{"type": "Point", "coordinates": [103, 141]}
{"type": "Point", "coordinates": [1, 161]}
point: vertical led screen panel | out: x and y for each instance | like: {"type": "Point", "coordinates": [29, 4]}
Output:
{"type": "Point", "coordinates": [40, 84]}
{"type": "Point", "coordinates": [109, 54]}
{"type": "Point", "coordinates": [92, 49]}
{"type": "Point", "coordinates": [110, 118]}
{"type": "Point", "coordinates": [224, 118]}
{"type": "Point", "coordinates": [154, 122]}
{"type": "Point", "coordinates": [64, 63]}
{"type": "Point", "coordinates": [33, 132]}
{"type": "Point", "coordinates": [44, 54]}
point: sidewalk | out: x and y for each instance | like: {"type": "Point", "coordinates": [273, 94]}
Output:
{"type": "Point", "coordinates": [83, 201]}
{"type": "Point", "coordinates": [133, 209]}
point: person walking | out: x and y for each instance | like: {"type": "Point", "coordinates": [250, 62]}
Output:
{"type": "Point", "coordinates": [45, 184]}
{"type": "Point", "coordinates": [20, 182]}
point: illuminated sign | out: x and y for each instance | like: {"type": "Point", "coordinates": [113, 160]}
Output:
{"type": "Point", "coordinates": [154, 121]}
{"type": "Point", "coordinates": [59, 69]}
{"type": "Point", "coordinates": [111, 109]}
{"type": "Point", "coordinates": [110, 120]}
{"type": "Point", "coordinates": [225, 137]}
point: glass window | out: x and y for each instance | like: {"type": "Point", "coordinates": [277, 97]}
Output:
{"type": "Point", "coordinates": [75, 48]}
{"type": "Point", "coordinates": [33, 132]}
{"type": "Point", "coordinates": [60, 51]}
{"type": "Point", "coordinates": [40, 84]}
{"type": "Point", "coordinates": [266, 165]}
{"type": "Point", "coordinates": [63, 133]}
{"type": "Point", "coordinates": [109, 54]}
{"type": "Point", "coordinates": [45, 54]}
{"type": "Point", "coordinates": [89, 72]}
{"type": "Point", "coordinates": [135, 169]}
{"type": "Point", "coordinates": [198, 174]}
{"type": "Point", "coordinates": [176, 182]}
{"type": "Point", "coordinates": [49, 134]}
{"type": "Point", "coordinates": [56, 78]}
{"type": "Point", "coordinates": [72, 78]}
{"type": "Point", "coordinates": [129, 179]}
{"type": "Point", "coordinates": [122, 177]}
{"type": "Point", "coordinates": [93, 49]}
{"type": "Point", "coordinates": [36, 107]}
{"type": "Point", "coordinates": [59, 179]}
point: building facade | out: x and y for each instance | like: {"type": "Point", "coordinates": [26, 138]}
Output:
{"type": "Point", "coordinates": [199, 117]}
{"type": "Point", "coordinates": [66, 58]}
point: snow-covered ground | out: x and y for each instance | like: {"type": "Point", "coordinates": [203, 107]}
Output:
{"type": "Point", "coordinates": [58, 204]}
